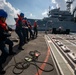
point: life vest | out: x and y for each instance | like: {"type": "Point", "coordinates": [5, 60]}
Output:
{"type": "Point", "coordinates": [24, 21]}
{"type": "Point", "coordinates": [29, 25]}
{"type": "Point", "coordinates": [3, 25]}
{"type": "Point", "coordinates": [35, 24]}
{"type": "Point", "coordinates": [19, 18]}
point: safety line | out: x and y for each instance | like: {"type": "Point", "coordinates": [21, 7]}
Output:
{"type": "Point", "coordinates": [44, 64]}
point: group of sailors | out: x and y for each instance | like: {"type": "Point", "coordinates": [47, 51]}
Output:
{"type": "Point", "coordinates": [22, 28]}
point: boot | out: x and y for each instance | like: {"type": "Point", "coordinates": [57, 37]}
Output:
{"type": "Point", "coordinates": [2, 71]}
{"type": "Point", "coordinates": [20, 48]}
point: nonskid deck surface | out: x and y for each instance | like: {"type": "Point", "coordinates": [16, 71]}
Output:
{"type": "Point", "coordinates": [37, 44]}
{"type": "Point", "coordinates": [68, 40]}
{"type": "Point", "coordinates": [66, 45]}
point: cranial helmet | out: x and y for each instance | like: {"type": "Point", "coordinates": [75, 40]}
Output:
{"type": "Point", "coordinates": [3, 13]}
{"type": "Point", "coordinates": [22, 14]}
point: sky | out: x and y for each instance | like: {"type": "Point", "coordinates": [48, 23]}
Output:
{"type": "Point", "coordinates": [35, 9]}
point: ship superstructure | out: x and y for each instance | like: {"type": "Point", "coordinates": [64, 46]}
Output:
{"type": "Point", "coordinates": [56, 18]}
{"type": "Point", "coordinates": [63, 18]}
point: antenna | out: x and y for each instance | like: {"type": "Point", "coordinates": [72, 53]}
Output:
{"type": "Point", "coordinates": [49, 8]}
{"type": "Point", "coordinates": [69, 2]}
{"type": "Point", "coordinates": [48, 11]}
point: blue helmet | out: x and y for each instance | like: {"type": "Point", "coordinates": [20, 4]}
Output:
{"type": "Point", "coordinates": [3, 13]}
{"type": "Point", "coordinates": [21, 14]}
{"type": "Point", "coordinates": [25, 18]}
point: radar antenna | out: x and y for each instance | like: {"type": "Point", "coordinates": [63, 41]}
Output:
{"type": "Point", "coordinates": [69, 2]}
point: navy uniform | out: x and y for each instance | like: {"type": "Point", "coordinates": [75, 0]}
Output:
{"type": "Point", "coordinates": [9, 42]}
{"type": "Point", "coordinates": [24, 30]}
{"type": "Point", "coordinates": [30, 30]}
{"type": "Point", "coordinates": [3, 36]}
{"type": "Point", "coordinates": [35, 29]}
{"type": "Point", "coordinates": [19, 30]}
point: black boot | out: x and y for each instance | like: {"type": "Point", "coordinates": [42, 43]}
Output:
{"type": "Point", "coordinates": [2, 71]}
{"type": "Point", "coordinates": [20, 48]}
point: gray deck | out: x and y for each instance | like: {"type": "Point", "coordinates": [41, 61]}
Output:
{"type": "Point", "coordinates": [62, 65]}
{"type": "Point", "coordinates": [36, 44]}
{"type": "Point", "coordinates": [42, 43]}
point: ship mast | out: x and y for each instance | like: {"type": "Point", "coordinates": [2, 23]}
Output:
{"type": "Point", "coordinates": [48, 11]}
{"type": "Point", "coordinates": [69, 2]}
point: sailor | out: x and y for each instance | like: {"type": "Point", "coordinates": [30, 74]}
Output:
{"type": "Point", "coordinates": [24, 29]}
{"type": "Point", "coordinates": [3, 36]}
{"type": "Point", "coordinates": [35, 29]}
{"type": "Point", "coordinates": [9, 42]}
{"type": "Point", "coordinates": [30, 30]}
{"type": "Point", "coordinates": [27, 36]}
{"type": "Point", "coordinates": [19, 30]}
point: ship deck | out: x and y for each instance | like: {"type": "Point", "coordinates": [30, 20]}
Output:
{"type": "Point", "coordinates": [63, 61]}
{"type": "Point", "coordinates": [64, 50]}
{"type": "Point", "coordinates": [39, 44]}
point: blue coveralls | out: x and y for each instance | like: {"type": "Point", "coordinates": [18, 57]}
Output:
{"type": "Point", "coordinates": [30, 30]}
{"type": "Point", "coordinates": [9, 42]}
{"type": "Point", "coordinates": [18, 30]}
{"type": "Point", "coordinates": [3, 48]}
{"type": "Point", "coordinates": [25, 30]}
